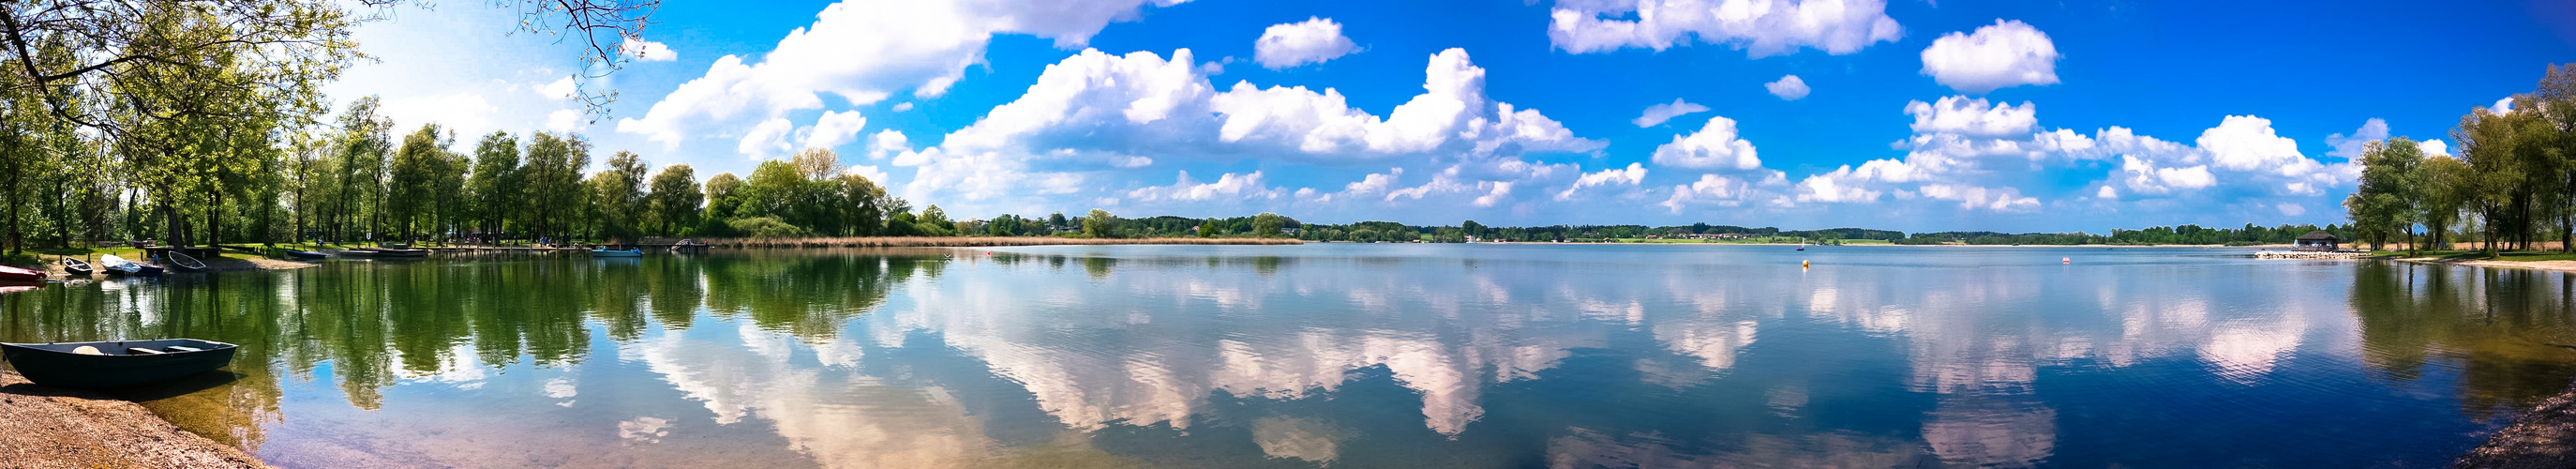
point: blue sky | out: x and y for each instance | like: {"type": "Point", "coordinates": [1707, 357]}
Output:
{"type": "Point", "coordinates": [1909, 115]}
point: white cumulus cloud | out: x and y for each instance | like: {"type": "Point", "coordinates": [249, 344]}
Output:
{"type": "Point", "coordinates": [834, 129]}
{"type": "Point", "coordinates": [1657, 114]}
{"type": "Point", "coordinates": [2247, 143]}
{"type": "Point", "coordinates": [1227, 186]}
{"type": "Point", "coordinates": [2349, 147]}
{"type": "Point", "coordinates": [2434, 147]}
{"type": "Point", "coordinates": [887, 142]}
{"type": "Point", "coordinates": [2003, 55]}
{"type": "Point", "coordinates": [1973, 117]}
{"type": "Point", "coordinates": [864, 51]}
{"type": "Point", "coordinates": [767, 139]}
{"type": "Point", "coordinates": [2003, 199]}
{"type": "Point", "coordinates": [1634, 174]}
{"type": "Point", "coordinates": [1969, 151]}
{"type": "Point", "coordinates": [1371, 185]}
{"type": "Point", "coordinates": [1141, 104]}
{"type": "Point", "coordinates": [559, 89]}
{"type": "Point", "coordinates": [1722, 191]}
{"type": "Point", "coordinates": [1291, 44]}
{"type": "Point", "coordinates": [647, 51]}
{"type": "Point", "coordinates": [1761, 27]}
{"type": "Point", "coordinates": [1714, 146]}
{"type": "Point", "coordinates": [1788, 88]}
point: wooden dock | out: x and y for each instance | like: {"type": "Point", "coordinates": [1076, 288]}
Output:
{"type": "Point", "coordinates": [543, 250]}
{"type": "Point", "coordinates": [2308, 254]}
{"type": "Point", "coordinates": [500, 250]}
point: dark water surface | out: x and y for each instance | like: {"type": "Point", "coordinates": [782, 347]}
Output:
{"type": "Point", "coordinates": [1376, 355]}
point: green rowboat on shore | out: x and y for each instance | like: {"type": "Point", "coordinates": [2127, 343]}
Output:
{"type": "Point", "coordinates": [115, 363]}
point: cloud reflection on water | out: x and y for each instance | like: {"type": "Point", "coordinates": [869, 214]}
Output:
{"type": "Point", "coordinates": [981, 360]}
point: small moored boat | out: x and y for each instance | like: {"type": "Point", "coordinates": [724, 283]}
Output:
{"type": "Point", "coordinates": [115, 363]}
{"type": "Point", "coordinates": [23, 275]}
{"type": "Point", "coordinates": [308, 255]}
{"type": "Point", "coordinates": [381, 252]}
{"type": "Point", "coordinates": [605, 252]}
{"type": "Point", "coordinates": [77, 267]}
{"type": "Point", "coordinates": [183, 262]}
{"type": "Point", "coordinates": [120, 266]}
{"type": "Point", "coordinates": [401, 252]}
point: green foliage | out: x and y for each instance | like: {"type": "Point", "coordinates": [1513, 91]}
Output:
{"type": "Point", "coordinates": [2390, 200]}
{"type": "Point", "coordinates": [935, 222]}
{"type": "Point", "coordinates": [555, 195]}
{"type": "Point", "coordinates": [725, 197]}
{"type": "Point", "coordinates": [497, 184]}
{"type": "Point", "coordinates": [765, 227]}
{"type": "Point", "coordinates": [2515, 175]}
{"type": "Point", "coordinates": [617, 198]}
{"type": "Point", "coordinates": [414, 183]}
{"type": "Point", "coordinates": [1267, 225]}
{"type": "Point", "coordinates": [675, 199]}
{"type": "Point", "coordinates": [864, 205]}
{"type": "Point", "coordinates": [1002, 225]}
{"type": "Point", "coordinates": [1099, 224]}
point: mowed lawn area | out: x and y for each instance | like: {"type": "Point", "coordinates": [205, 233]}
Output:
{"type": "Point", "coordinates": [2477, 255]}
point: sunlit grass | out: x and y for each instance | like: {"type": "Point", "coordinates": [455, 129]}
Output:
{"type": "Point", "coordinates": [2478, 255]}
{"type": "Point", "coordinates": [1762, 240]}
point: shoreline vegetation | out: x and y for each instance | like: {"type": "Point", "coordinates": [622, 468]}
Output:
{"type": "Point", "coordinates": [977, 241]}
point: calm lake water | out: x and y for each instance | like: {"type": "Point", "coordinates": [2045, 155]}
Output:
{"type": "Point", "coordinates": [1369, 355]}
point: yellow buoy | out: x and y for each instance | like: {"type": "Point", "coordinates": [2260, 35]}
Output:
{"type": "Point", "coordinates": [1802, 264]}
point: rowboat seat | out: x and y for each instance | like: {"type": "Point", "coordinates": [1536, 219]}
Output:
{"type": "Point", "coordinates": [175, 348]}
{"type": "Point", "coordinates": [142, 351]}
{"type": "Point", "coordinates": [88, 350]}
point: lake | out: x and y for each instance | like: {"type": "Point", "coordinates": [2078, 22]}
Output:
{"type": "Point", "coordinates": [1348, 355]}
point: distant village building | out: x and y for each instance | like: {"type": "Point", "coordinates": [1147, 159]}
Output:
{"type": "Point", "coordinates": [2318, 240]}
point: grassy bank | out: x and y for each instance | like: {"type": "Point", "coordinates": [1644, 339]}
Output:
{"type": "Point", "coordinates": [1768, 240]}
{"type": "Point", "coordinates": [976, 241]}
{"type": "Point", "coordinates": [2476, 255]}
{"type": "Point", "coordinates": [38, 258]}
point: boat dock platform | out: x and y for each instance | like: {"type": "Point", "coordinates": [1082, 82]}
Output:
{"type": "Point", "coordinates": [2308, 254]}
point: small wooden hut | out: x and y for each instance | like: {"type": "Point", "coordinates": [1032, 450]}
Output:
{"type": "Point", "coordinates": [2317, 241]}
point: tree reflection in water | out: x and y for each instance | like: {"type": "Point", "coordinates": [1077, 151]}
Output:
{"type": "Point", "coordinates": [365, 326]}
{"type": "Point", "coordinates": [1365, 355]}
{"type": "Point", "coordinates": [2507, 333]}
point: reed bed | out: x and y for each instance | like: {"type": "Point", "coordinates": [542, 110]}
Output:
{"type": "Point", "coordinates": [974, 241]}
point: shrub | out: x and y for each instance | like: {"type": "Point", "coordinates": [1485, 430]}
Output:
{"type": "Point", "coordinates": [766, 227]}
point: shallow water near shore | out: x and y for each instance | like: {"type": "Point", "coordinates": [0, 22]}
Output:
{"type": "Point", "coordinates": [1359, 355]}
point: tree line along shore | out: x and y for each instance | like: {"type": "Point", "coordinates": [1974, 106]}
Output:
{"type": "Point", "coordinates": [2507, 183]}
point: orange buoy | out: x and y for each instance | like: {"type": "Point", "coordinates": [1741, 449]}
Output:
{"type": "Point", "coordinates": [1802, 264]}
{"type": "Point", "coordinates": [2065, 260]}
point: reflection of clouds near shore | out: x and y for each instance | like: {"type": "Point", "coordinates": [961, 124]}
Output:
{"type": "Point", "coordinates": [1151, 341]}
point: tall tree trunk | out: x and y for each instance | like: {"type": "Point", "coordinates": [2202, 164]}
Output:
{"type": "Point", "coordinates": [214, 218]}
{"type": "Point", "coordinates": [176, 232]}
{"type": "Point", "coordinates": [62, 213]}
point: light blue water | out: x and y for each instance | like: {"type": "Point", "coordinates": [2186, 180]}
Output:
{"type": "Point", "coordinates": [1351, 355]}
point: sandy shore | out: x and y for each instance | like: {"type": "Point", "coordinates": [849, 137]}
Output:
{"type": "Point", "coordinates": [2562, 266]}
{"type": "Point", "coordinates": [43, 427]}
{"type": "Point", "coordinates": [2545, 437]}
{"type": "Point", "coordinates": [222, 264]}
